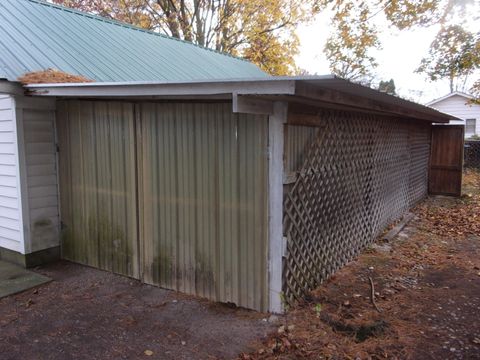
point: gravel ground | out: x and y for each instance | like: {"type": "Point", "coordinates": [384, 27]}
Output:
{"type": "Point", "coordinates": [86, 313]}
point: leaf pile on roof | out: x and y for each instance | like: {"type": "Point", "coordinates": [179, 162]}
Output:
{"type": "Point", "coordinates": [51, 76]}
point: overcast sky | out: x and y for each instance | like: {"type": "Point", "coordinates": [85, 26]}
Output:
{"type": "Point", "coordinates": [400, 56]}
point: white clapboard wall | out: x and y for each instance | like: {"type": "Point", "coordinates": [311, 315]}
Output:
{"type": "Point", "coordinates": [28, 176]}
{"type": "Point", "coordinates": [461, 107]}
{"type": "Point", "coordinates": [36, 123]}
{"type": "Point", "coordinates": [11, 219]}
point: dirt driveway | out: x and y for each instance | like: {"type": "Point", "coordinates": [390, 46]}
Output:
{"type": "Point", "coordinates": [90, 314]}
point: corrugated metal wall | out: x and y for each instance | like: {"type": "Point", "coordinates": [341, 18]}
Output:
{"type": "Point", "coordinates": [357, 174]}
{"type": "Point", "coordinates": [204, 199]}
{"type": "Point", "coordinates": [202, 195]}
{"type": "Point", "coordinates": [98, 185]}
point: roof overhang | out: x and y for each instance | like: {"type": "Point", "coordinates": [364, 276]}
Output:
{"type": "Point", "coordinates": [256, 95]}
{"type": "Point", "coordinates": [11, 88]}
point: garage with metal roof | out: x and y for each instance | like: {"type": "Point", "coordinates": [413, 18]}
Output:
{"type": "Point", "coordinates": [216, 181]}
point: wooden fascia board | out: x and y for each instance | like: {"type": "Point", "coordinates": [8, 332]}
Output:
{"type": "Point", "coordinates": [158, 90]}
{"type": "Point", "coordinates": [308, 91]}
{"type": "Point", "coordinates": [11, 88]}
{"type": "Point", "coordinates": [29, 102]}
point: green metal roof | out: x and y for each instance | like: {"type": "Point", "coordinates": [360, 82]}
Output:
{"type": "Point", "coordinates": [35, 35]}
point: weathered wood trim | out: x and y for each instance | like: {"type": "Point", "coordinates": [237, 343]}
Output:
{"type": "Point", "coordinates": [11, 88]}
{"type": "Point", "coordinates": [275, 204]}
{"type": "Point", "coordinates": [28, 102]}
{"type": "Point", "coordinates": [251, 105]}
{"type": "Point", "coordinates": [399, 227]}
{"type": "Point", "coordinates": [326, 91]}
{"type": "Point", "coordinates": [306, 112]}
{"type": "Point", "coordinates": [308, 91]}
{"type": "Point", "coordinates": [165, 89]}
{"type": "Point", "coordinates": [290, 178]}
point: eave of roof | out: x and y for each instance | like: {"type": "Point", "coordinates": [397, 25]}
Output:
{"type": "Point", "coordinates": [11, 88]}
{"type": "Point", "coordinates": [455, 93]}
{"type": "Point", "coordinates": [326, 89]}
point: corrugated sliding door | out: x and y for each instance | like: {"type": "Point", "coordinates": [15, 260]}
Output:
{"type": "Point", "coordinates": [98, 184]}
{"type": "Point", "coordinates": [203, 195]}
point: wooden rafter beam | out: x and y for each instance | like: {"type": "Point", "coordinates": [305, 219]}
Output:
{"type": "Point", "coordinates": [308, 91]}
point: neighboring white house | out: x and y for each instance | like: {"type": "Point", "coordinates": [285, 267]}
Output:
{"type": "Point", "coordinates": [459, 105]}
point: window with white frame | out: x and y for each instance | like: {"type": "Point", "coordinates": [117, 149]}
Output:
{"type": "Point", "coordinates": [470, 126]}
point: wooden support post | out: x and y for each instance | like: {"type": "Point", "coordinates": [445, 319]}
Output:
{"type": "Point", "coordinates": [276, 123]}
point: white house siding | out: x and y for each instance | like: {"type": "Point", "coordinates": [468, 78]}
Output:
{"type": "Point", "coordinates": [11, 229]}
{"type": "Point", "coordinates": [458, 106]}
{"type": "Point", "coordinates": [41, 190]}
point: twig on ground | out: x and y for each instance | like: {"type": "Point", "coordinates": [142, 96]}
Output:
{"type": "Point", "coordinates": [373, 294]}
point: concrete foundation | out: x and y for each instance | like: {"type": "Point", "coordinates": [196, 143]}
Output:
{"type": "Point", "coordinates": [30, 260]}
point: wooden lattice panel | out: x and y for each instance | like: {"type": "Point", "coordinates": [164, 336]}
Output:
{"type": "Point", "coordinates": [472, 153]}
{"type": "Point", "coordinates": [359, 173]}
